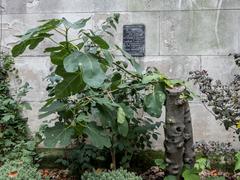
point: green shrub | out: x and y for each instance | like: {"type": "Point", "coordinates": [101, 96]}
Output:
{"type": "Point", "coordinates": [19, 170]}
{"type": "Point", "coordinates": [221, 99]}
{"type": "Point", "coordinates": [113, 175]}
{"type": "Point", "coordinates": [13, 127]}
{"type": "Point", "coordinates": [96, 95]}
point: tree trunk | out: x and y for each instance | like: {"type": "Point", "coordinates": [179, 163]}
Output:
{"type": "Point", "coordinates": [178, 133]}
{"type": "Point", "coordinates": [113, 164]}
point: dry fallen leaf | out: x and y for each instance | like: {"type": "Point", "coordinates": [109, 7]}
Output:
{"type": "Point", "coordinates": [13, 174]}
{"type": "Point", "coordinates": [214, 172]}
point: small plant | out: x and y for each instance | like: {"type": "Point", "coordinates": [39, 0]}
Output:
{"type": "Point", "coordinates": [160, 163]}
{"type": "Point", "coordinates": [220, 155]}
{"type": "Point", "coordinates": [81, 158]}
{"type": "Point", "coordinates": [237, 163]}
{"type": "Point", "coordinates": [112, 175]}
{"type": "Point", "coordinates": [19, 170]}
{"type": "Point", "coordinates": [191, 174]}
{"type": "Point", "coordinates": [202, 164]}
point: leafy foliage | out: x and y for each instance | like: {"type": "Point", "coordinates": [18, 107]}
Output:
{"type": "Point", "coordinates": [220, 155]}
{"type": "Point", "coordinates": [83, 157]}
{"type": "Point", "coordinates": [94, 93]}
{"type": "Point", "coordinates": [58, 135]}
{"type": "Point", "coordinates": [223, 99]}
{"type": "Point", "coordinates": [190, 174]}
{"type": "Point", "coordinates": [202, 164]}
{"type": "Point", "coordinates": [17, 149]}
{"type": "Point", "coordinates": [160, 163]}
{"type": "Point", "coordinates": [19, 170]}
{"type": "Point", "coordinates": [112, 175]}
{"type": "Point", "coordinates": [13, 128]}
{"type": "Point", "coordinates": [170, 177]}
{"type": "Point", "coordinates": [237, 163]}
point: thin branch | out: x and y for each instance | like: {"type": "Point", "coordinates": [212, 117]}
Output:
{"type": "Point", "coordinates": [134, 75]}
{"type": "Point", "coordinates": [74, 46]}
{"type": "Point", "coordinates": [59, 31]}
{"type": "Point", "coordinates": [54, 41]}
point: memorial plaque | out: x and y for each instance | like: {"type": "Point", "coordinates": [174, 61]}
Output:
{"type": "Point", "coordinates": [134, 39]}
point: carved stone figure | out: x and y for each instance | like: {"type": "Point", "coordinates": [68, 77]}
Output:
{"type": "Point", "coordinates": [178, 132]}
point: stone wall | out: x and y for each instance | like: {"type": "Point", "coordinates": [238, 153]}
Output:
{"type": "Point", "coordinates": [181, 35]}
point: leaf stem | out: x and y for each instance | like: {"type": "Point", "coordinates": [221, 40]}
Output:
{"type": "Point", "coordinates": [54, 41]}
{"type": "Point", "coordinates": [66, 39]}
{"type": "Point", "coordinates": [59, 31]}
{"type": "Point", "coordinates": [123, 69]}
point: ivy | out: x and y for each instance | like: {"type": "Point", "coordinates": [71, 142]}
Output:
{"type": "Point", "coordinates": [14, 140]}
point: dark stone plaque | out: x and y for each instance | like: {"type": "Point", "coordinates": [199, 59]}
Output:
{"type": "Point", "coordinates": [134, 39]}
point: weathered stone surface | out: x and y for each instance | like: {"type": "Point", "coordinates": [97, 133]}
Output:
{"type": "Point", "coordinates": [144, 5]}
{"type": "Point", "coordinates": [173, 66]}
{"type": "Point", "coordinates": [205, 127]}
{"type": "Point", "coordinates": [46, 6]}
{"type": "Point", "coordinates": [12, 6]}
{"type": "Point", "coordinates": [33, 117]}
{"type": "Point", "coordinates": [149, 19]}
{"type": "Point", "coordinates": [178, 5]}
{"type": "Point", "coordinates": [172, 5]}
{"type": "Point", "coordinates": [110, 5]}
{"type": "Point", "coordinates": [198, 32]}
{"type": "Point", "coordinates": [33, 70]}
{"type": "Point", "coordinates": [220, 67]}
{"type": "Point", "coordinates": [61, 6]}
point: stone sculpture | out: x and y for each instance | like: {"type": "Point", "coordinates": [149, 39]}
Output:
{"type": "Point", "coordinates": [178, 132]}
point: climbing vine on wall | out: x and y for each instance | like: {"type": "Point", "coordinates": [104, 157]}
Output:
{"type": "Point", "coordinates": [13, 129]}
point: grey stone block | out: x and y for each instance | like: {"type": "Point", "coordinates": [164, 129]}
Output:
{"type": "Point", "coordinates": [12, 6]}
{"type": "Point", "coordinates": [173, 66]}
{"type": "Point", "coordinates": [110, 5]}
{"type": "Point", "coordinates": [198, 32]}
{"type": "Point", "coordinates": [173, 5]}
{"type": "Point", "coordinates": [144, 5]}
{"type": "Point", "coordinates": [206, 128]}
{"type": "Point", "coordinates": [46, 6]}
{"type": "Point", "coordinates": [34, 122]}
{"type": "Point", "coordinates": [220, 67]}
{"type": "Point", "coordinates": [33, 70]}
{"type": "Point", "coordinates": [149, 19]}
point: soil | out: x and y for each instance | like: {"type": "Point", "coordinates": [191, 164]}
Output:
{"type": "Point", "coordinates": [153, 173]}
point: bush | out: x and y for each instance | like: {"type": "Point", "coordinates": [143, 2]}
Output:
{"type": "Point", "coordinates": [113, 175]}
{"type": "Point", "coordinates": [19, 170]}
{"type": "Point", "coordinates": [222, 100]}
